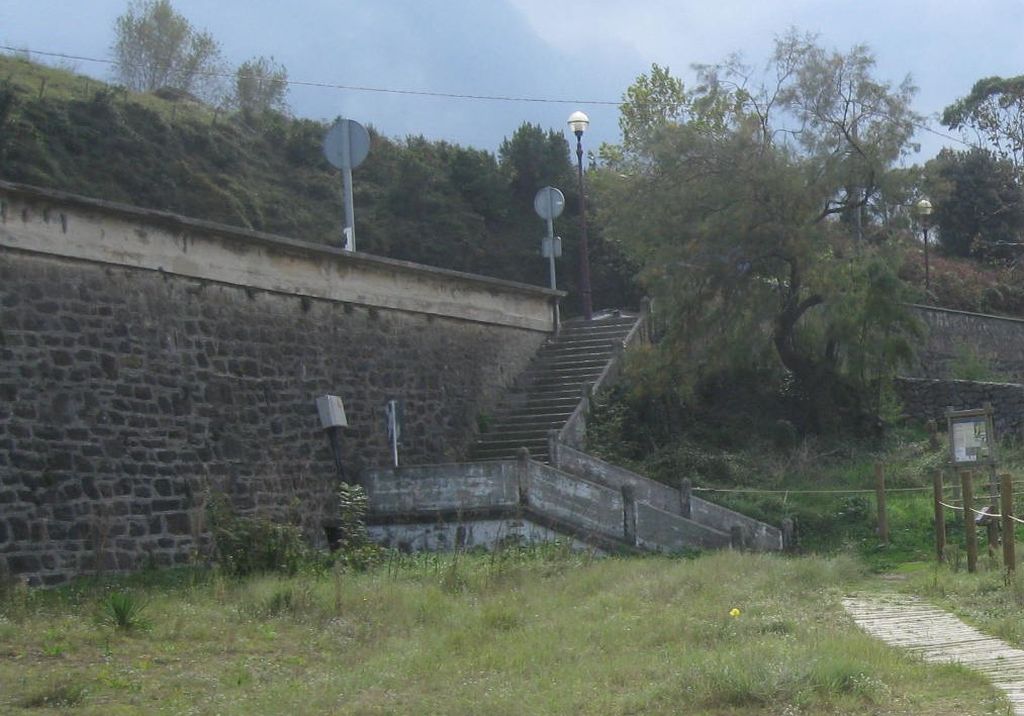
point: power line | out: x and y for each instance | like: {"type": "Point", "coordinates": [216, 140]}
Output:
{"type": "Point", "coordinates": [428, 93]}
{"type": "Point", "coordinates": [354, 88]}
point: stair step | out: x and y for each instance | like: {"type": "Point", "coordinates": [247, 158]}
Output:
{"type": "Point", "coordinates": [523, 433]}
{"type": "Point", "coordinates": [512, 443]}
{"type": "Point", "coordinates": [567, 370]}
{"type": "Point", "coordinates": [585, 340]}
{"type": "Point", "coordinates": [519, 417]}
{"type": "Point", "coordinates": [582, 360]}
{"type": "Point", "coordinates": [519, 425]}
{"type": "Point", "coordinates": [493, 455]}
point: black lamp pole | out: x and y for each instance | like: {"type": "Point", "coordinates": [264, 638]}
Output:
{"type": "Point", "coordinates": [578, 121]}
{"type": "Point", "coordinates": [927, 272]}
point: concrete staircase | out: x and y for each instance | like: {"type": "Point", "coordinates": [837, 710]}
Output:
{"type": "Point", "coordinates": [555, 490]}
{"type": "Point", "coordinates": [550, 390]}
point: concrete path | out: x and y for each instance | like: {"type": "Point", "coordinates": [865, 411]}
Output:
{"type": "Point", "coordinates": [939, 636]}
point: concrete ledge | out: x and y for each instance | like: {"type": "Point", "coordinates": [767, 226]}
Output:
{"type": "Point", "coordinates": [954, 311]}
{"type": "Point", "coordinates": [75, 227]}
{"type": "Point", "coordinates": [756, 535]}
{"type": "Point", "coordinates": [574, 500]}
{"type": "Point", "coordinates": [612, 476]}
{"type": "Point", "coordinates": [440, 488]}
{"type": "Point", "coordinates": [666, 532]}
{"type": "Point", "coordinates": [440, 529]}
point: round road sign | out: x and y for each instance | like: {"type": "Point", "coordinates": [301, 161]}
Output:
{"type": "Point", "coordinates": [346, 144]}
{"type": "Point", "coordinates": [549, 203]}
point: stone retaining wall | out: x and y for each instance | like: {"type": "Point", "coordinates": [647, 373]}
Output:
{"type": "Point", "coordinates": [955, 336]}
{"type": "Point", "coordinates": [927, 399]}
{"type": "Point", "coordinates": [158, 358]}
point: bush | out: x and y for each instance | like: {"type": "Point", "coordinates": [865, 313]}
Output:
{"type": "Point", "coordinates": [249, 544]}
{"type": "Point", "coordinates": [355, 550]}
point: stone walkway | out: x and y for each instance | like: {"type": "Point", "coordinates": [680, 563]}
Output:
{"type": "Point", "coordinates": [939, 636]}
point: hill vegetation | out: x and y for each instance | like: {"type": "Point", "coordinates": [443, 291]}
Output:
{"type": "Point", "coordinates": [430, 202]}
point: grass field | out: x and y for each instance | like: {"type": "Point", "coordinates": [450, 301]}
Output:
{"type": "Point", "coordinates": [540, 631]}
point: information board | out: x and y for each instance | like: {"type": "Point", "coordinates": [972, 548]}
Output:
{"type": "Point", "coordinates": [971, 439]}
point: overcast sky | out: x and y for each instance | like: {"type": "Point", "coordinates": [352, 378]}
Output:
{"type": "Point", "coordinates": [589, 51]}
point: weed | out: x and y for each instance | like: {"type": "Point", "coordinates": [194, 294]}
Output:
{"type": "Point", "coordinates": [123, 610]}
{"type": "Point", "coordinates": [57, 695]}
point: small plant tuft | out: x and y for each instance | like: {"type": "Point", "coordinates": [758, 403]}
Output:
{"type": "Point", "coordinates": [123, 610]}
{"type": "Point", "coordinates": [58, 695]}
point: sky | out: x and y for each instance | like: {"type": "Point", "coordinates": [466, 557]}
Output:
{"type": "Point", "coordinates": [575, 55]}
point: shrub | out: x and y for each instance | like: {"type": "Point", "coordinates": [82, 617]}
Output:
{"type": "Point", "coordinates": [355, 550]}
{"type": "Point", "coordinates": [249, 544]}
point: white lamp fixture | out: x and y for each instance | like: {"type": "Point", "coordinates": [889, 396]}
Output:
{"type": "Point", "coordinates": [578, 122]}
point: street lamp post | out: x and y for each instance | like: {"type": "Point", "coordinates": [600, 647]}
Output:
{"type": "Point", "coordinates": [923, 209]}
{"type": "Point", "coordinates": [578, 124]}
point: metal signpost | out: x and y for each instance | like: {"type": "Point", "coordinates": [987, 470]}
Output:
{"type": "Point", "coordinates": [549, 204]}
{"type": "Point", "coordinates": [346, 145]}
{"type": "Point", "coordinates": [393, 418]}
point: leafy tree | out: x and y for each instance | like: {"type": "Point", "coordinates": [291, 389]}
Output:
{"type": "Point", "coordinates": [649, 103]}
{"type": "Point", "coordinates": [979, 204]}
{"type": "Point", "coordinates": [157, 47]}
{"type": "Point", "coordinates": [261, 86]}
{"type": "Point", "coordinates": [994, 111]}
{"type": "Point", "coordinates": [745, 217]}
{"type": "Point", "coordinates": [531, 159]}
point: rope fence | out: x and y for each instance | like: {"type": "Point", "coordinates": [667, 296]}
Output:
{"type": "Point", "coordinates": [1000, 495]}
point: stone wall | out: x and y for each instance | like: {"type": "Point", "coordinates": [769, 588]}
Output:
{"type": "Point", "coordinates": [927, 399]}
{"type": "Point", "coordinates": [953, 336]}
{"type": "Point", "coordinates": [147, 359]}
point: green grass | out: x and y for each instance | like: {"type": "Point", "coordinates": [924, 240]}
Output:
{"type": "Point", "coordinates": [538, 631]}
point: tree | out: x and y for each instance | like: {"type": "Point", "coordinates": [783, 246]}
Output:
{"type": "Point", "coordinates": [652, 101]}
{"type": "Point", "coordinates": [531, 159]}
{"type": "Point", "coordinates": [994, 110]}
{"type": "Point", "coordinates": [156, 47]}
{"type": "Point", "coordinates": [260, 86]}
{"type": "Point", "coordinates": [746, 215]}
{"type": "Point", "coordinates": [979, 204]}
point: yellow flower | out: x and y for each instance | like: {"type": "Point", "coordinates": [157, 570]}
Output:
{"type": "Point", "coordinates": [734, 612]}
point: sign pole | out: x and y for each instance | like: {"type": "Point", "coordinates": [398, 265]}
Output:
{"type": "Point", "coordinates": [346, 145]}
{"type": "Point", "coordinates": [346, 173]}
{"type": "Point", "coordinates": [551, 242]}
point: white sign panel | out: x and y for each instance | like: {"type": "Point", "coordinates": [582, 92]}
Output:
{"type": "Point", "coordinates": [970, 439]}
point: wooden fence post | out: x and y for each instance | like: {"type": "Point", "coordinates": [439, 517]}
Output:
{"type": "Point", "coordinates": [940, 516]}
{"type": "Point", "coordinates": [1009, 531]}
{"type": "Point", "coordinates": [970, 530]}
{"type": "Point", "coordinates": [883, 518]}
{"type": "Point", "coordinates": [991, 526]}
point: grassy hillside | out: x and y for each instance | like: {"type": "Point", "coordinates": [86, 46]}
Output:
{"type": "Point", "coordinates": [522, 632]}
{"type": "Point", "coordinates": [69, 132]}
{"type": "Point", "coordinates": [429, 202]}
